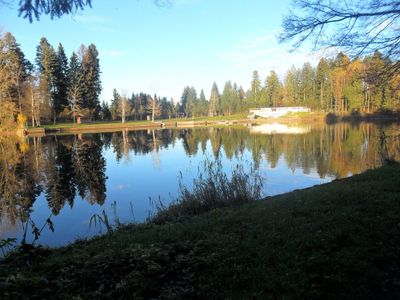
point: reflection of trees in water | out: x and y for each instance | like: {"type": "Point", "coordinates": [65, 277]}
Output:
{"type": "Point", "coordinates": [58, 165]}
{"type": "Point", "coordinates": [18, 179]}
{"type": "Point", "coordinates": [64, 166]}
{"type": "Point", "coordinates": [59, 170]}
{"type": "Point", "coordinates": [89, 165]}
{"type": "Point", "coordinates": [337, 150]}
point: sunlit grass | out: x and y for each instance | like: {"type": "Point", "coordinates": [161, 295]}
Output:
{"type": "Point", "coordinates": [143, 122]}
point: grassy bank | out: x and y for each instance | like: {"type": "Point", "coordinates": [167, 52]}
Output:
{"type": "Point", "coordinates": [167, 123]}
{"type": "Point", "coordinates": [338, 240]}
{"type": "Point", "coordinates": [290, 118]}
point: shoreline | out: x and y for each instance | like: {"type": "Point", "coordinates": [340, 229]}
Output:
{"type": "Point", "coordinates": [66, 128]}
{"type": "Point", "coordinates": [338, 238]}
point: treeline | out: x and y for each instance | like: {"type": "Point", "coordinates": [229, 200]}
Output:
{"type": "Point", "coordinates": [339, 84]}
{"type": "Point", "coordinates": [369, 84]}
{"type": "Point", "coordinates": [53, 87]}
{"type": "Point", "coordinates": [138, 107]}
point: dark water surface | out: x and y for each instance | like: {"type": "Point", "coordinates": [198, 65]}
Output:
{"type": "Point", "coordinates": [72, 177]}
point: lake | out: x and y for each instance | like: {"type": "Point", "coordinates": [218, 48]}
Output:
{"type": "Point", "coordinates": [70, 178]}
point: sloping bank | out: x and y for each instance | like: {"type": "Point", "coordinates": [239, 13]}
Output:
{"type": "Point", "coordinates": [338, 240]}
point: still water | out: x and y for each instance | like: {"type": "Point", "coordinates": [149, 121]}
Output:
{"type": "Point", "coordinates": [70, 178]}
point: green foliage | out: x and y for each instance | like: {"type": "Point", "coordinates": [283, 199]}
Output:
{"type": "Point", "coordinates": [273, 90]}
{"type": "Point", "coordinates": [254, 99]}
{"type": "Point", "coordinates": [55, 8]}
{"type": "Point", "coordinates": [91, 79]}
{"type": "Point", "coordinates": [214, 102]}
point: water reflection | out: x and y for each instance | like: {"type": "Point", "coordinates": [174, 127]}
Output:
{"type": "Point", "coordinates": [276, 128]}
{"type": "Point", "coordinates": [62, 170]}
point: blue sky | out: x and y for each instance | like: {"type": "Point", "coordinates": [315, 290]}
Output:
{"type": "Point", "coordinates": [145, 48]}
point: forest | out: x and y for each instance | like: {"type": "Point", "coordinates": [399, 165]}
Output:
{"type": "Point", "coordinates": [57, 89]}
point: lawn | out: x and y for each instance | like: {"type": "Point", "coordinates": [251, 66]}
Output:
{"type": "Point", "coordinates": [338, 240]}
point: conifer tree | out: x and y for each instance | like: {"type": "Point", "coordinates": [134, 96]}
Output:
{"type": "Point", "coordinates": [61, 80]}
{"type": "Point", "coordinates": [115, 104]}
{"type": "Point", "coordinates": [323, 84]}
{"type": "Point", "coordinates": [214, 102]}
{"type": "Point", "coordinates": [203, 103]}
{"type": "Point", "coordinates": [47, 64]}
{"type": "Point", "coordinates": [91, 78]}
{"type": "Point", "coordinates": [75, 86]}
{"type": "Point", "coordinates": [273, 90]}
{"type": "Point", "coordinates": [255, 90]}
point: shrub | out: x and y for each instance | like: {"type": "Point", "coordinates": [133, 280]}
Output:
{"type": "Point", "coordinates": [213, 188]}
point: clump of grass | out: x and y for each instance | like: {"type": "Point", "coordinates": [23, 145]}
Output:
{"type": "Point", "coordinates": [213, 188]}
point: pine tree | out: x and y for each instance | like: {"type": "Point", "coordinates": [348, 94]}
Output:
{"type": "Point", "coordinates": [323, 84]}
{"type": "Point", "coordinates": [91, 78]}
{"type": "Point", "coordinates": [255, 90]}
{"type": "Point", "coordinates": [307, 84]}
{"type": "Point", "coordinates": [75, 86]}
{"type": "Point", "coordinates": [291, 87]}
{"type": "Point", "coordinates": [273, 90]}
{"type": "Point", "coordinates": [105, 111]}
{"type": "Point", "coordinates": [214, 102]}
{"type": "Point", "coordinates": [61, 81]}
{"type": "Point", "coordinates": [47, 62]}
{"type": "Point", "coordinates": [192, 103]}
{"type": "Point", "coordinates": [115, 105]}
{"type": "Point", "coordinates": [229, 98]}
{"type": "Point", "coordinates": [203, 103]}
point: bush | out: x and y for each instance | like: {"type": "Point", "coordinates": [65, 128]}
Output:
{"type": "Point", "coordinates": [212, 189]}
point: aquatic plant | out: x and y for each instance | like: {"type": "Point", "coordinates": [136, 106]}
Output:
{"type": "Point", "coordinates": [213, 188]}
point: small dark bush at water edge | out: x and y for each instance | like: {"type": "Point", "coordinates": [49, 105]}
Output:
{"type": "Point", "coordinates": [212, 189]}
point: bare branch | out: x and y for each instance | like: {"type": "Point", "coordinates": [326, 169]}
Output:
{"type": "Point", "coordinates": [360, 26]}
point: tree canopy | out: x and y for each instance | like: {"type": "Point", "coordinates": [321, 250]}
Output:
{"type": "Point", "coordinates": [33, 9]}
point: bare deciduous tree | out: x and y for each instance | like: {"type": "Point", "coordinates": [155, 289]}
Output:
{"type": "Point", "coordinates": [359, 26]}
{"type": "Point", "coordinates": [154, 108]}
{"type": "Point", "coordinates": [124, 108]}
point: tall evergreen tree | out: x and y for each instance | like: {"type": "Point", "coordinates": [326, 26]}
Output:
{"type": "Point", "coordinates": [214, 101]}
{"type": "Point", "coordinates": [75, 86]}
{"type": "Point", "coordinates": [323, 85]}
{"type": "Point", "coordinates": [60, 81]}
{"type": "Point", "coordinates": [115, 105]}
{"type": "Point", "coordinates": [203, 104]}
{"type": "Point", "coordinates": [273, 90]}
{"type": "Point", "coordinates": [91, 76]}
{"type": "Point", "coordinates": [307, 84]}
{"type": "Point", "coordinates": [255, 90]}
{"type": "Point", "coordinates": [229, 99]}
{"type": "Point", "coordinates": [47, 64]}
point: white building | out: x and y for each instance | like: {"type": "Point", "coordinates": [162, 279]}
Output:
{"type": "Point", "coordinates": [275, 112]}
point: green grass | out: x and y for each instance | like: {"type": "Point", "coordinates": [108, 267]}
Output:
{"type": "Point", "coordinates": [94, 124]}
{"type": "Point", "coordinates": [142, 123]}
{"type": "Point", "coordinates": [335, 241]}
{"type": "Point", "coordinates": [312, 114]}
